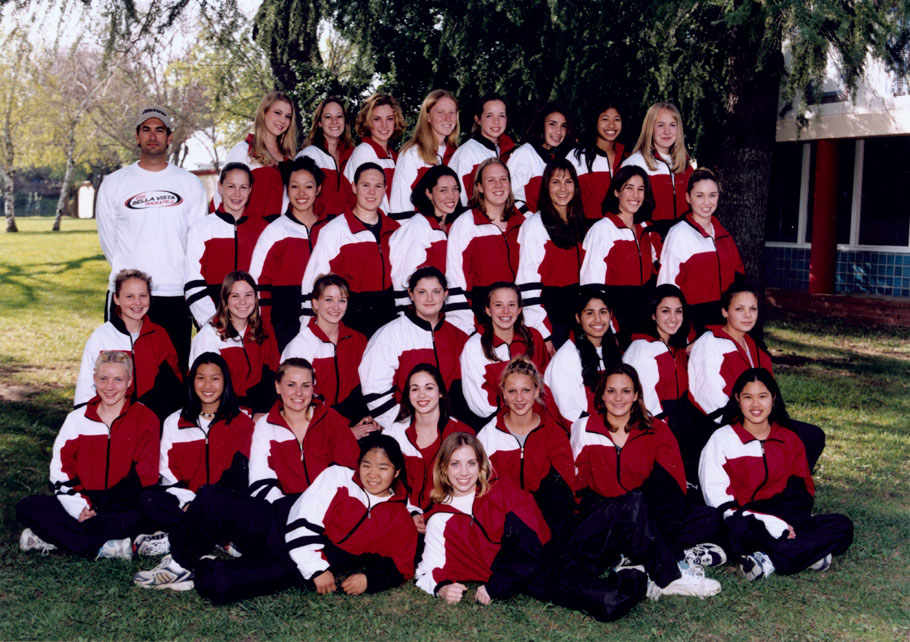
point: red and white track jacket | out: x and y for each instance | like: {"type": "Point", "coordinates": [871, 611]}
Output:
{"type": "Point", "coordinates": [737, 469]}
{"type": "Point", "coordinates": [669, 189]}
{"type": "Point", "coordinates": [154, 357]}
{"type": "Point", "coordinates": [595, 183]}
{"type": "Point", "coordinates": [564, 381]}
{"type": "Point", "coordinates": [526, 165]}
{"type": "Point", "coordinates": [616, 254]}
{"type": "Point", "coordinates": [216, 246]}
{"type": "Point", "coordinates": [335, 365]}
{"type": "Point", "coordinates": [337, 509]}
{"type": "Point", "coordinates": [279, 466]}
{"type": "Point", "coordinates": [610, 471]}
{"type": "Point", "coordinates": [194, 454]}
{"type": "Point", "coordinates": [419, 242]}
{"type": "Point", "coordinates": [661, 369]}
{"type": "Point", "coordinates": [395, 349]}
{"type": "Point", "coordinates": [278, 264]}
{"type": "Point", "coordinates": [247, 362]}
{"type": "Point", "coordinates": [336, 194]}
{"type": "Point", "coordinates": [478, 254]}
{"type": "Point", "coordinates": [471, 154]}
{"type": "Point", "coordinates": [90, 456]}
{"type": "Point", "coordinates": [715, 363]}
{"type": "Point", "coordinates": [464, 535]}
{"type": "Point", "coordinates": [480, 376]}
{"type": "Point", "coordinates": [703, 266]}
{"type": "Point", "coordinates": [143, 220]}
{"type": "Point", "coordinates": [541, 264]}
{"type": "Point", "coordinates": [546, 447]}
{"type": "Point", "coordinates": [419, 462]}
{"type": "Point", "coordinates": [268, 198]}
{"type": "Point", "coordinates": [409, 169]}
{"type": "Point", "coordinates": [347, 248]}
{"type": "Point", "coordinates": [369, 151]}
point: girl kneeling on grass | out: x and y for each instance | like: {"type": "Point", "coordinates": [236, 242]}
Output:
{"type": "Point", "coordinates": [490, 531]}
{"type": "Point", "coordinates": [754, 469]}
{"type": "Point", "coordinates": [105, 453]}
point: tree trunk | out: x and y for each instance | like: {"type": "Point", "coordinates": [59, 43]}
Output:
{"type": "Point", "coordinates": [748, 136]}
{"type": "Point", "coordinates": [67, 177]}
{"type": "Point", "coordinates": [9, 206]}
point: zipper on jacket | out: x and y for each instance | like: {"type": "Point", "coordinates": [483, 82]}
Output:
{"type": "Point", "coordinates": [236, 245]}
{"type": "Point", "coordinates": [207, 473]}
{"type": "Point", "coordinates": [638, 247]}
{"type": "Point", "coordinates": [337, 375]}
{"type": "Point", "coordinates": [720, 285]}
{"type": "Point", "coordinates": [107, 459]}
{"type": "Point", "coordinates": [764, 459]}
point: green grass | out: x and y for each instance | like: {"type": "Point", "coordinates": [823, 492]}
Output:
{"type": "Point", "coordinates": [854, 381]}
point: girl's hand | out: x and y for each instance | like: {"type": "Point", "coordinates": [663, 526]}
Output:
{"type": "Point", "coordinates": [482, 596]}
{"type": "Point", "coordinates": [257, 416]}
{"type": "Point", "coordinates": [325, 583]}
{"type": "Point", "coordinates": [791, 534]}
{"type": "Point", "coordinates": [452, 593]}
{"type": "Point", "coordinates": [550, 349]}
{"type": "Point", "coordinates": [87, 513]}
{"type": "Point", "coordinates": [420, 524]}
{"type": "Point", "coordinates": [354, 584]}
{"type": "Point", "coordinates": [364, 428]}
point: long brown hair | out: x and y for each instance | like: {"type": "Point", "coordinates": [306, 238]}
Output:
{"type": "Point", "coordinates": [316, 136]}
{"type": "Point", "coordinates": [442, 487]}
{"type": "Point", "coordinates": [287, 142]}
{"type": "Point", "coordinates": [478, 201]}
{"type": "Point", "coordinates": [222, 318]}
{"type": "Point", "coordinates": [486, 339]}
{"type": "Point", "coordinates": [639, 417]}
{"type": "Point", "coordinates": [365, 115]}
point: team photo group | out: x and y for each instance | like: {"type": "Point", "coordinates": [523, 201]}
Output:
{"type": "Point", "coordinates": [487, 367]}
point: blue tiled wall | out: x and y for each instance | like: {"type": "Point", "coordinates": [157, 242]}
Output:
{"type": "Point", "coordinates": [857, 271]}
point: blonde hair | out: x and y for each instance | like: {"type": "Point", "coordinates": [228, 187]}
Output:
{"type": "Point", "coordinates": [287, 142]}
{"type": "Point", "coordinates": [121, 357]}
{"type": "Point", "coordinates": [316, 135]}
{"type": "Point", "coordinates": [521, 366]}
{"type": "Point", "coordinates": [442, 487]}
{"type": "Point", "coordinates": [478, 201]}
{"type": "Point", "coordinates": [365, 115]}
{"type": "Point", "coordinates": [423, 135]}
{"type": "Point", "coordinates": [679, 157]}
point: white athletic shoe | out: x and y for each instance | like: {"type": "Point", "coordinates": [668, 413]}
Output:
{"type": "Point", "coordinates": [756, 566]}
{"type": "Point", "coordinates": [167, 575]}
{"type": "Point", "coordinates": [229, 549]}
{"type": "Point", "coordinates": [28, 541]}
{"type": "Point", "coordinates": [706, 554]}
{"type": "Point", "coordinates": [153, 544]}
{"type": "Point", "coordinates": [823, 564]}
{"type": "Point", "coordinates": [116, 549]}
{"type": "Point", "coordinates": [692, 582]}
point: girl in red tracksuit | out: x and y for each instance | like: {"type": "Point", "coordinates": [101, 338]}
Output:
{"type": "Point", "coordinates": [624, 456]}
{"type": "Point", "coordinates": [660, 358]}
{"type": "Point", "coordinates": [283, 250]}
{"type": "Point", "coordinates": [528, 447]}
{"type": "Point", "coordinates": [503, 337]}
{"type": "Point", "coordinates": [754, 470]}
{"type": "Point", "coordinates": [699, 255]}
{"type": "Point", "coordinates": [619, 252]}
{"type": "Point", "coordinates": [722, 354]}
{"type": "Point", "coordinates": [420, 335]}
{"type": "Point", "coordinates": [329, 144]}
{"type": "Point", "coordinates": [433, 142]}
{"type": "Point", "coordinates": [236, 332]}
{"type": "Point", "coordinates": [421, 240]}
{"type": "Point", "coordinates": [355, 246]}
{"type": "Point", "coordinates": [220, 243]}
{"type": "Point", "coordinates": [335, 352]}
{"type": "Point", "coordinates": [274, 139]}
{"type": "Point", "coordinates": [156, 376]}
{"type": "Point", "coordinates": [483, 244]}
{"type": "Point", "coordinates": [661, 152]}
{"type": "Point", "coordinates": [422, 425]}
{"type": "Point", "coordinates": [491, 531]}
{"type": "Point", "coordinates": [546, 140]}
{"type": "Point", "coordinates": [379, 120]}
{"type": "Point", "coordinates": [600, 155]}
{"type": "Point", "coordinates": [207, 442]}
{"type": "Point", "coordinates": [105, 453]}
{"type": "Point", "coordinates": [551, 254]}
{"type": "Point", "coordinates": [488, 140]}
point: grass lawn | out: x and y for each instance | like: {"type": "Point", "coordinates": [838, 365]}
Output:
{"type": "Point", "coordinates": [853, 381]}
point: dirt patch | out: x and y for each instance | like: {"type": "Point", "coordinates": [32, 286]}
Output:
{"type": "Point", "coordinates": [18, 391]}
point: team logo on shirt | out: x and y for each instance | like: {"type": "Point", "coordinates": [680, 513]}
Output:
{"type": "Point", "coordinates": [156, 198]}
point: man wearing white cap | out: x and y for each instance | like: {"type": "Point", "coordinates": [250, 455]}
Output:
{"type": "Point", "coordinates": [143, 212]}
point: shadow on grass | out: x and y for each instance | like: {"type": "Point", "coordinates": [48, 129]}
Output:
{"type": "Point", "coordinates": [30, 279]}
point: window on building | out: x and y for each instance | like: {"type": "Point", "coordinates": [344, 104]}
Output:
{"type": "Point", "coordinates": [783, 197]}
{"type": "Point", "coordinates": [885, 214]}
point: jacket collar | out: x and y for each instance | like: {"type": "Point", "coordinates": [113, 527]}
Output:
{"type": "Point", "coordinates": [344, 332]}
{"type": "Point", "coordinates": [745, 436]}
{"type": "Point", "coordinates": [380, 152]}
{"type": "Point", "coordinates": [411, 314]}
{"type": "Point", "coordinates": [91, 408]}
{"type": "Point", "coordinates": [229, 219]}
